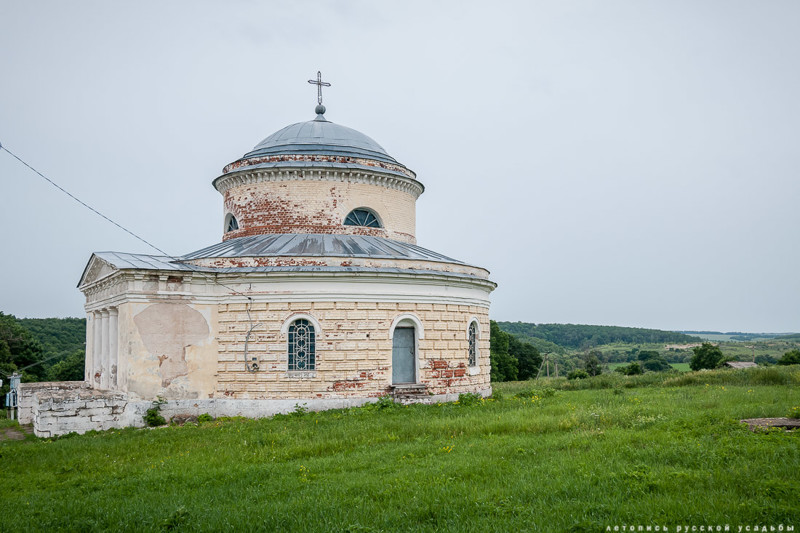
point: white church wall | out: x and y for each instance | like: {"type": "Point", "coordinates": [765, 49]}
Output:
{"type": "Point", "coordinates": [182, 337]}
{"type": "Point", "coordinates": [353, 351]}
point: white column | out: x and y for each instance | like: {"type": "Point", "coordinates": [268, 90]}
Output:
{"type": "Point", "coordinates": [97, 348]}
{"type": "Point", "coordinates": [113, 358]}
{"type": "Point", "coordinates": [88, 360]}
{"type": "Point", "coordinates": [122, 361]}
{"type": "Point", "coordinates": [106, 372]}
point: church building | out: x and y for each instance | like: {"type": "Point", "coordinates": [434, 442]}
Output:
{"type": "Point", "coordinates": [317, 295]}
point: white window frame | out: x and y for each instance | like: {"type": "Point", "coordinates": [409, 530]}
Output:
{"type": "Point", "coordinates": [317, 336]}
{"type": "Point", "coordinates": [476, 368]}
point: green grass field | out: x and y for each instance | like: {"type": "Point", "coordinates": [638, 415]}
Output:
{"type": "Point", "coordinates": [668, 452]}
{"type": "Point", "coordinates": [683, 367]}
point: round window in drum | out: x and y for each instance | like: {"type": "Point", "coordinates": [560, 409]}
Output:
{"type": "Point", "coordinates": [362, 217]}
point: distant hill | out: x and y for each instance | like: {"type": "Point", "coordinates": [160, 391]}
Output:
{"type": "Point", "coordinates": [59, 336]}
{"type": "Point", "coordinates": [742, 336]}
{"type": "Point", "coordinates": [580, 336]}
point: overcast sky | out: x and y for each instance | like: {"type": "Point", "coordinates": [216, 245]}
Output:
{"type": "Point", "coordinates": [610, 162]}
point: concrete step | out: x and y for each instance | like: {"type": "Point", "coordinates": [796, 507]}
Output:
{"type": "Point", "coordinates": [407, 393]}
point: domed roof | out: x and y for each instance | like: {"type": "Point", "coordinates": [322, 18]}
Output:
{"type": "Point", "coordinates": [320, 137]}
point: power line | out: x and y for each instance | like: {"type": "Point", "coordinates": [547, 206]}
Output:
{"type": "Point", "coordinates": [191, 267]}
{"type": "Point", "coordinates": [84, 204]}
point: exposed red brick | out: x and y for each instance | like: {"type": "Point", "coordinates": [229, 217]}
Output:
{"type": "Point", "coordinates": [339, 386]}
{"type": "Point", "coordinates": [262, 212]}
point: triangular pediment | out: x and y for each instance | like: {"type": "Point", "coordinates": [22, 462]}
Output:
{"type": "Point", "coordinates": [95, 270]}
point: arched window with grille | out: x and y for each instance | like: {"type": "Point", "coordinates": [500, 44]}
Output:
{"type": "Point", "coordinates": [472, 336]}
{"type": "Point", "coordinates": [231, 224]}
{"type": "Point", "coordinates": [302, 346]}
{"type": "Point", "coordinates": [362, 217]}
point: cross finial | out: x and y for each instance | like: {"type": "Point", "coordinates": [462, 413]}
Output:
{"type": "Point", "coordinates": [320, 84]}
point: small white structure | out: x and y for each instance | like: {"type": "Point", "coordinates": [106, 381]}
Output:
{"type": "Point", "coordinates": [740, 364]}
{"type": "Point", "coordinates": [317, 295]}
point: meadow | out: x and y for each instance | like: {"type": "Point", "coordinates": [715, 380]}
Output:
{"type": "Point", "coordinates": [682, 367]}
{"type": "Point", "coordinates": [551, 455]}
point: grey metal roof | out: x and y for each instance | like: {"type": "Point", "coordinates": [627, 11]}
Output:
{"type": "Point", "coordinates": [318, 245]}
{"type": "Point", "coordinates": [320, 137]}
{"type": "Point", "coordinates": [142, 261]}
{"type": "Point", "coordinates": [125, 261]}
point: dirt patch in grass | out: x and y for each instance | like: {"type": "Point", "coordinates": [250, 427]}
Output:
{"type": "Point", "coordinates": [15, 433]}
{"type": "Point", "coordinates": [754, 424]}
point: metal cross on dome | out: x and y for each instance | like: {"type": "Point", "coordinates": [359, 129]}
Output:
{"type": "Point", "coordinates": [320, 84]}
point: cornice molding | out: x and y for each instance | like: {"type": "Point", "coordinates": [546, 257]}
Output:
{"type": "Point", "coordinates": [309, 160]}
{"type": "Point", "coordinates": [204, 289]}
{"type": "Point", "coordinates": [355, 175]}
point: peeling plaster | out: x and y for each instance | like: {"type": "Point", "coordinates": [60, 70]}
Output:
{"type": "Point", "coordinates": [168, 332]}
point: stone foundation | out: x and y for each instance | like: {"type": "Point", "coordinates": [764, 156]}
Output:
{"type": "Point", "coordinates": [28, 390]}
{"type": "Point", "coordinates": [59, 408]}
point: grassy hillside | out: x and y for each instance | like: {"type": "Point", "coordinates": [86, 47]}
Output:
{"type": "Point", "coordinates": [580, 336]}
{"type": "Point", "coordinates": [535, 460]}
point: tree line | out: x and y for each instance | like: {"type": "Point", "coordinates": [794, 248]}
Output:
{"type": "Point", "coordinates": [512, 359]}
{"type": "Point", "coordinates": [583, 337]}
{"type": "Point", "coordinates": [43, 349]}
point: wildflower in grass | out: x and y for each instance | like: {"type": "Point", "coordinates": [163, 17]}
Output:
{"type": "Point", "coordinates": [448, 449]}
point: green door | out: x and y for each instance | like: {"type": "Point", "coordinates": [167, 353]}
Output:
{"type": "Point", "coordinates": [403, 356]}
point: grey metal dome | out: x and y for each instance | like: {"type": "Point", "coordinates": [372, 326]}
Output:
{"type": "Point", "coordinates": [320, 137]}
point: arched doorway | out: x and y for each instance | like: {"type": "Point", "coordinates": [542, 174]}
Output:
{"type": "Point", "coordinates": [404, 355]}
{"type": "Point", "coordinates": [405, 331]}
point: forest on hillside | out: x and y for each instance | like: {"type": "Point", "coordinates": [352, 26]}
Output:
{"type": "Point", "coordinates": [43, 349]}
{"type": "Point", "coordinates": [57, 335]}
{"type": "Point", "coordinates": [584, 337]}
